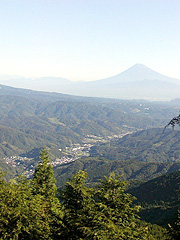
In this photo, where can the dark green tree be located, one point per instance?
(78, 205)
(30, 209)
(43, 185)
(117, 210)
(22, 215)
(43, 179)
(103, 213)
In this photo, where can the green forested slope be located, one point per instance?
(30, 120)
(151, 145)
(27, 124)
(32, 209)
(17, 141)
(10, 172)
(164, 188)
(159, 198)
(67, 122)
(99, 167)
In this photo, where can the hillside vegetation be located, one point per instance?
(151, 145)
(159, 198)
(99, 167)
(38, 119)
(31, 120)
(125, 138)
(77, 212)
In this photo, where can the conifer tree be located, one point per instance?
(103, 213)
(43, 180)
(22, 215)
(78, 204)
(30, 209)
(43, 185)
(118, 213)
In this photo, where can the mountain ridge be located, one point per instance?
(138, 69)
(137, 82)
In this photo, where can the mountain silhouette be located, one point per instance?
(137, 82)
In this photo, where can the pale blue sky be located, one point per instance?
(88, 39)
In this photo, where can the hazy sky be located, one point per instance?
(88, 39)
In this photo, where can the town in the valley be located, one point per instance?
(69, 154)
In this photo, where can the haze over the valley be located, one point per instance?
(90, 40)
(137, 82)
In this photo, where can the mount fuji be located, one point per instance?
(137, 82)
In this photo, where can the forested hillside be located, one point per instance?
(56, 120)
(30, 121)
(159, 198)
(143, 155)
(99, 167)
(99, 136)
(152, 145)
(77, 212)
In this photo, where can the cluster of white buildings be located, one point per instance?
(71, 154)
(63, 160)
(15, 160)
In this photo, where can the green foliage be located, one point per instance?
(99, 167)
(10, 171)
(151, 145)
(156, 232)
(34, 120)
(43, 180)
(117, 210)
(103, 213)
(43, 185)
(22, 215)
(78, 205)
(31, 119)
(30, 209)
(159, 199)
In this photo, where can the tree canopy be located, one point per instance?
(33, 209)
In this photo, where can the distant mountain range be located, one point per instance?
(137, 82)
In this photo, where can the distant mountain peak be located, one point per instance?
(139, 65)
(139, 72)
